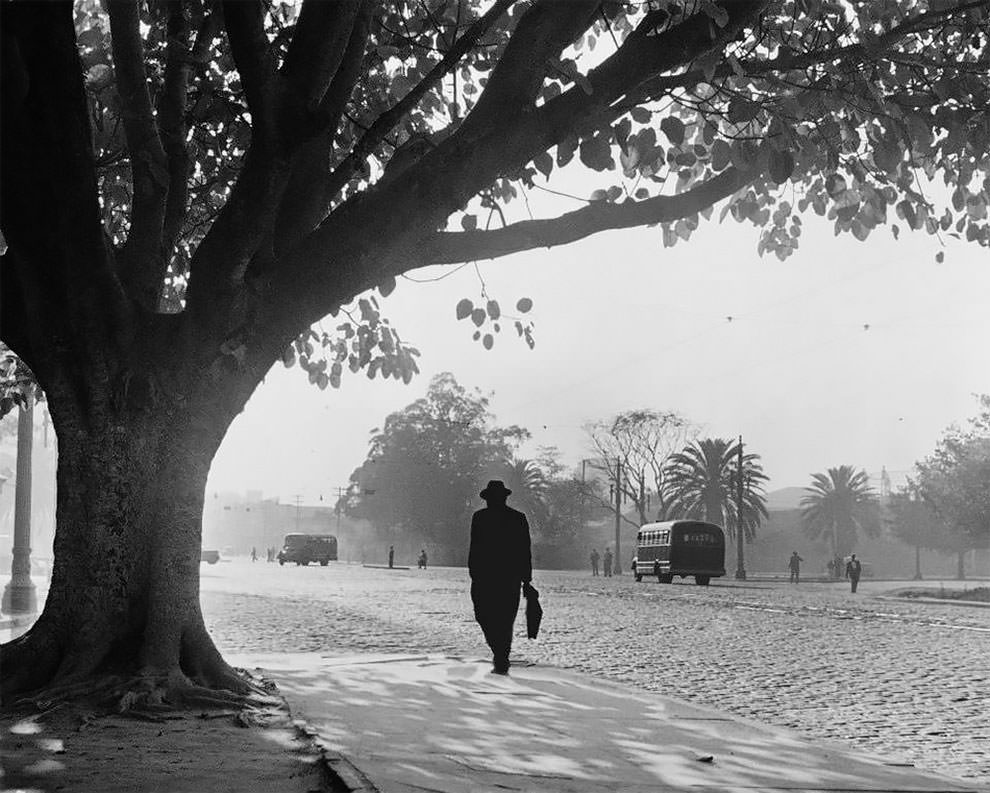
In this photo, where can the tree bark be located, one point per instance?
(123, 604)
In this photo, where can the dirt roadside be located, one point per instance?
(71, 748)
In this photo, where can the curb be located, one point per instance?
(936, 601)
(341, 774)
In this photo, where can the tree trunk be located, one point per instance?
(961, 566)
(124, 597)
(917, 562)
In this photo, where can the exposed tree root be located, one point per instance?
(159, 696)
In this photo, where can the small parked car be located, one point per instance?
(210, 557)
(305, 548)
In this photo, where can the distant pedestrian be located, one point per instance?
(499, 562)
(254, 554)
(422, 559)
(607, 563)
(391, 556)
(594, 561)
(853, 571)
(831, 568)
(795, 567)
(838, 568)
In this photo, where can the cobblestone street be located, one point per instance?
(905, 680)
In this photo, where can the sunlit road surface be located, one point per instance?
(908, 681)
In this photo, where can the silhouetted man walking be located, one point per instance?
(391, 556)
(853, 571)
(607, 563)
(500, 563)
(594, 561)
(795, 567)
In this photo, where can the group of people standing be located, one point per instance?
(606, 561)
(853, 569)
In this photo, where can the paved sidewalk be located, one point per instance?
(415, 723)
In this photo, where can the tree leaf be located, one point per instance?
(781, 166)
(524, 305)
(673, 128)
(469, 222)
(488, 341)
(493, 310)
(478, 316)
(464, 308)
(544, 164)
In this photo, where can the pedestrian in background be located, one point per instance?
(422, 559)
(853, 571)
(607, 563)
(391, 556)
(795, 567)
(838, 568)
(594, 561)
(254, 554)
(831, 568)
(500, 563)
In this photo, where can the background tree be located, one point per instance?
(189, 186)
(427, 464)
(702, 485)
(642, 441)
(838, 506)
(913, 521)
(955, 482)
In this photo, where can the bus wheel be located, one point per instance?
(638, 578)
(281, 562)
(701, 580)
(324, 563)
(667, 578)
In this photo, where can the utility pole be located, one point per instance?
(740, 562)
(19, 596)
(298, 499)
(616, 562)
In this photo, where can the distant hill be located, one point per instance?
(785, 498)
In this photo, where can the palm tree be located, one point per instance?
(528, 485)
(702, 481)
(839, 504)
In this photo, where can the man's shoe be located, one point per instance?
(500, 670)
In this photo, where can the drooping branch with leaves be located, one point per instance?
(190, 187)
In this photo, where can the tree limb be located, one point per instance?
(463, 246)
(306, 203)
(62, 307)
(541, 34)
(245, 24)
(317, 50)
(387, 121)
(140, 259)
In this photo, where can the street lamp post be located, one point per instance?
(740, 562)
(19, 595)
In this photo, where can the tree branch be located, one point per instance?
(543, 32)
(61, 302)
(318, 47)
(387, 121)
(140, 261)
(306, 202)
(245, 24)
(464, 246)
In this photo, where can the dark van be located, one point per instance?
(682, 548)
(305, 548)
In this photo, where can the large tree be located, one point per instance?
(640, 442)
(703, 483)
(427, 463)
(188, 186)
(838, 506)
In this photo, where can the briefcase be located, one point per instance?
(534, 611)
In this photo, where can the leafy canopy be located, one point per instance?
(271, 163)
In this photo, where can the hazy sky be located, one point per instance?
(623, 323)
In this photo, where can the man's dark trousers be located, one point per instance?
(496, 604)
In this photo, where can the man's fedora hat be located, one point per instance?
(496, 487)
